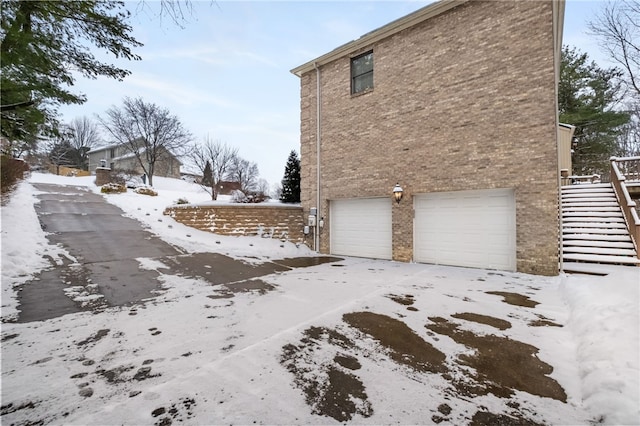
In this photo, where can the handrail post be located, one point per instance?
(626, 203)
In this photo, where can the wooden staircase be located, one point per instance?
(593, 229)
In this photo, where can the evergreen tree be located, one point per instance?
(587, 97)
(291, 181)
(207, 175)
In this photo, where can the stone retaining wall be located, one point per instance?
(275, 221)
(103, 176)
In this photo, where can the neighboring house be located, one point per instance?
(190, 176)
(457, 103)
(223, 188)
(118, 156)
(227, 187)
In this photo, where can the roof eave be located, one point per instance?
(388, 30)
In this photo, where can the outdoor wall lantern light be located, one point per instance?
(397, 193)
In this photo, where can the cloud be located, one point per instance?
(226, 57)
(174, 91)
(205, 54)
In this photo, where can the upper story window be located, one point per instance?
(112, 152)
(362, 73)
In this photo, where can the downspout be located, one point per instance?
(316, 241)
(558, 23)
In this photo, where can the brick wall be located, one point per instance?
(280, 221)
(465, 100)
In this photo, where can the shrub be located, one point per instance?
(257, 197)
(248, 197)
(238, 196)
(181, 200)
(127, 177)
(11, 170)
(113, 188)
(145, 190)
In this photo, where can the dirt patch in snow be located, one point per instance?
(498, 323)
(501, 365)
(515, 299)
(325, 373)
(406, 299)
(543, 322)
(325, 364)
(482, 418)
(404, 345)
(253, 286)
(257, 286)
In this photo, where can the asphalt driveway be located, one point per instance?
(104, 245)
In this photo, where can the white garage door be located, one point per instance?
(466, 228)
(361, 227)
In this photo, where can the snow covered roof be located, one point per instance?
(128, 154)
(103, 148)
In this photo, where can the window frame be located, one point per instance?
(354, 76)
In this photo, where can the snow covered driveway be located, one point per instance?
(356, 340)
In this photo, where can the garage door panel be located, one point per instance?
(466, 228)
(361, 227)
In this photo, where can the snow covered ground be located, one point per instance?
(307, 346)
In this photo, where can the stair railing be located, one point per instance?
(628, 206)
(629, 167)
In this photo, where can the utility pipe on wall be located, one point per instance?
(316, 240)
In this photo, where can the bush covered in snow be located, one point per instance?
(113, 188)
(145, 190)
(249, 197)
(181, 200)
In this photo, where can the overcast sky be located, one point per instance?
(226, 74)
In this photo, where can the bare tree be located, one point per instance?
(618, 28)
(83, 136)
(245, 173)
(178, 11)
(59, 149)
(149, 132)
(262, 186)
(276, 191)
(219, 156)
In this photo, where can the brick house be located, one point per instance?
(119, 156)
(457, 104)
(228, 187)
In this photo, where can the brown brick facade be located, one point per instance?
(243, 220)
(464, 100)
